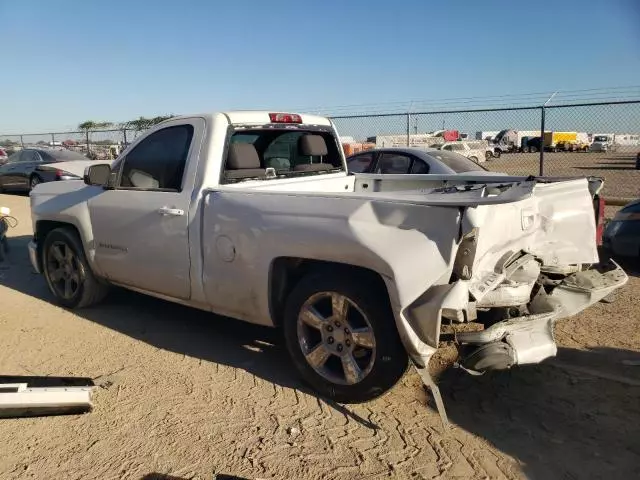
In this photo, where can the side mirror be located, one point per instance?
(97, 174)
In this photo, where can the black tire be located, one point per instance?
(496, 153)
(34, 181)
(4, 248)
(390, 360)
(488, 155)
(89, 289)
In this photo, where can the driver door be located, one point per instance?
(141, 226)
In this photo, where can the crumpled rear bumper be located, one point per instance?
(529, 339)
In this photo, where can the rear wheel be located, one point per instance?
(34, 181)
(342, 337)
(67, 271)
(488, 155)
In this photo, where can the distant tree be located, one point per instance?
(90, 125)
(7, 143)
(142, 123)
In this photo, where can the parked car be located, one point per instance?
(416, 160)
(253, 215)
(476, 151)
(492, 151)
(27, 168)
(622, 234)
(3, 156)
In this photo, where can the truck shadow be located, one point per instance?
(575, 416)
(169, 326)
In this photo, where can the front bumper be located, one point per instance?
(33, 256)
(529, 339)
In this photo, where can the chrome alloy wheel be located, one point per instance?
(336, 338)
(63, 270)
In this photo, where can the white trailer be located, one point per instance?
(415, 140)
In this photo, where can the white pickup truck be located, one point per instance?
(253, 215)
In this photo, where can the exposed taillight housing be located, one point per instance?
(285, 118)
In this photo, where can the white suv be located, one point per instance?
(475, 150)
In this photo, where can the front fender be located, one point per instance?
(66, 202)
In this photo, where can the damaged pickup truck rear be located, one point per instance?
(253, 215)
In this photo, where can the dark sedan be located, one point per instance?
(416, 160)
(28, 167)
(622, 234)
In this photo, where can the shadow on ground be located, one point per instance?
(169, 326)
(575, 416)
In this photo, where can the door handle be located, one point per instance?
(175, 212)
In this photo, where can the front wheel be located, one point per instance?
(342, 337)
(67, 271)
(488, 155)
(496, 153)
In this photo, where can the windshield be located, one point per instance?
(289, 152)
(601, 138)
(458, 163)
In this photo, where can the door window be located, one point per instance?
(360, 163)
(14, 158)
(393, 163)
(158, 161)
(419, 167)
(29, 156)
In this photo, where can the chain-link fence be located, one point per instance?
(96, 144)
(595, 139)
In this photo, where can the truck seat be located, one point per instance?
(310, 145)
(243, 162)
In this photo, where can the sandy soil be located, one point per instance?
(184, 394)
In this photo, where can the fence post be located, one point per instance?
(21, 141)
(542, 109)
(88, 147)
(53, 140)
(408, 129)
(124, 137)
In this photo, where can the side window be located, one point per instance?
(393, 163)
(360, 163)
(29, 156)
(158, 161)
(14, 158)
(419, 167)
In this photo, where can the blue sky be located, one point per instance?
(66, 61)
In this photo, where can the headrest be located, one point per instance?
(312, 145)
(242, 156)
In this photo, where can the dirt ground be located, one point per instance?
(184, 394)
(622, 180)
